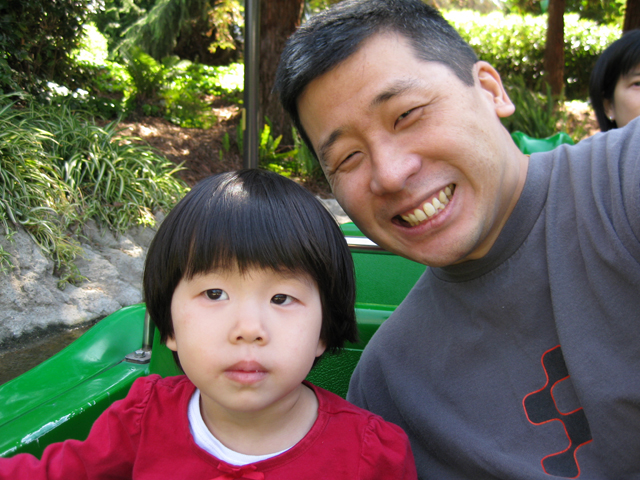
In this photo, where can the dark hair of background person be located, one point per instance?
(253, 219)
(616, 61)
(333, 35)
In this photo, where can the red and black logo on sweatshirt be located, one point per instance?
(542, 407)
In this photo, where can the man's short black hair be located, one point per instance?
(335, 34)
(615, 62)
(253, 219)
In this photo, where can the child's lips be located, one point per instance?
(246, 372)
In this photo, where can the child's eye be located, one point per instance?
(281, 299)
(216, 294)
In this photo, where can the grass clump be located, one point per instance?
(58, 169)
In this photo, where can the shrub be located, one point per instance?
(37, 36)
(59, 169)
(515, 44)
(536, 115)
(189, 85)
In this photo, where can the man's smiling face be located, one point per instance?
(418, 160)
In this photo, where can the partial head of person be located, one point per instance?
(248, 259)
(614, 87)
(405, 122)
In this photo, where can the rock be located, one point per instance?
(336, 210)
(29, 293)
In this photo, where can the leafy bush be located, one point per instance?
(189, 85)
(177, 89)
(115, 16)
(147, 75)
(60, 169)
(309, 167)
(32, 194)
(611, 11)
(515, 44)
(298, 162)
(37, 36)
(536, 115)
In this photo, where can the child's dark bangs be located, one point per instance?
(249, 225)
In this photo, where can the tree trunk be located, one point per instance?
(278, 20)
(554, 49)
(631, 16)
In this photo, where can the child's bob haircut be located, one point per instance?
(252, 219)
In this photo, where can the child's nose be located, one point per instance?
(249, 327)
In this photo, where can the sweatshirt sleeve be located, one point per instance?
(386, 452)
(108, 452)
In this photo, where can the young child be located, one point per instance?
(249, 280)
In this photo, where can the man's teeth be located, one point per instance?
(431, 208)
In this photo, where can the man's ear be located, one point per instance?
(490, 81)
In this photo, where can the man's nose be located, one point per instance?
(391, 168)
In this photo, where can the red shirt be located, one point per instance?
(147, 436)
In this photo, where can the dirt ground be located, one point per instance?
(199, 149)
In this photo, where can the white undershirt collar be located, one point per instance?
(205, 439)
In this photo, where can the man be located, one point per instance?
(517, 354)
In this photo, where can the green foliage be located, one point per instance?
(102, 90)
(299, 162)
(515, 44)
(36, 38)
(178, 89)
(536, 115)
(224, 15)
(190, 84)
(6, 265)
(116, 16)
(31, 192)
(308, 166)
(600, 11)
(59, 169)
(311, 7)
(146, 74)
(200, 26)
(156, 32)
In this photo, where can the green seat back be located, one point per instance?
(529, 145)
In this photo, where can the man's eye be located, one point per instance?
(216, 294)
(281, 299)
(404, 115)
(412, 114)
(348, 157)
(347, 163)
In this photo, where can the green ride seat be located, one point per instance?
(529, 145)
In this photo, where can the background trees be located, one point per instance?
(35, 38)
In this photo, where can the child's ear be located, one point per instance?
(171, 343)
(321, 348)
(609, 111)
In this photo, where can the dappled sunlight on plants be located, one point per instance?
(514, 45)
(60, 169)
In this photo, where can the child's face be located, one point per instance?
(246, 341)
(626, 98)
